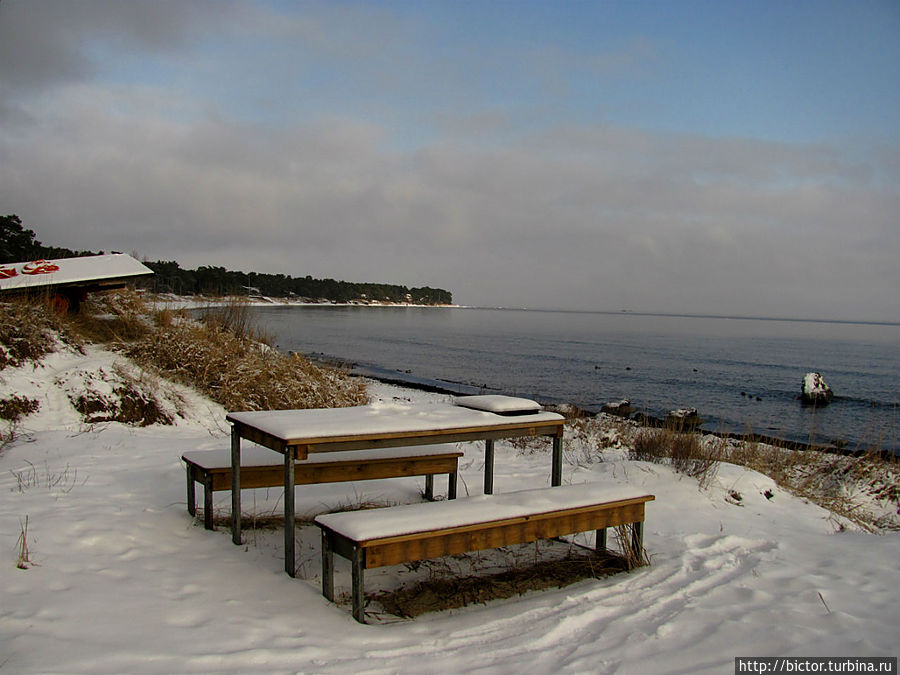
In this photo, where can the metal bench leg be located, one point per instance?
(429, 487)
(600, 541)
(327, 567)
(451, 485)
(358, 563)
(208, 502)
(489, 467)
(191, 497)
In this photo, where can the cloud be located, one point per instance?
(590, 218)
(48, 42)
(499, 203)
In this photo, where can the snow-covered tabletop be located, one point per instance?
(380, 425)
(380, 420)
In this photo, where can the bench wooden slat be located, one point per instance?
(469, 533)
(336, 472)
(503, 522)
(408, 462)
(220, 459)
(479, 537)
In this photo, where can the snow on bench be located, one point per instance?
(401, 534)
(260, 467)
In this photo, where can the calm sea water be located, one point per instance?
(741, 374)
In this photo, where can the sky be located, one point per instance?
(736, 158)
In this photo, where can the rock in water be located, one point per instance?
(621, 408)
(815, 391)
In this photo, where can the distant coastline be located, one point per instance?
(202, 300)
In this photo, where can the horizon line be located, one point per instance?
(742, 317)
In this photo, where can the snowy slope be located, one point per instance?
(121, 579)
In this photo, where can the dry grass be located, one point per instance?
(684, 451)
(633, 555)
(23, 559)
(61, 482)
(238, 371)
(29, 330)
(113, 318)
(222, 356)
(235, 317)
(850, 486)
(135, 401)
(14, 408)
(840, 483)
(446, 589)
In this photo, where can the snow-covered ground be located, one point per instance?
(120, 579)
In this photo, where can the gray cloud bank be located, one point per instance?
(584, 216)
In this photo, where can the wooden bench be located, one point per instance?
(400, 534)
(261, 467)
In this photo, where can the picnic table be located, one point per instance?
(298, 433)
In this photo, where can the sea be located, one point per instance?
(743, 375)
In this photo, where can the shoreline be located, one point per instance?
(411, 380)
(642, 419)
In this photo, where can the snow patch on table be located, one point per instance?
(377, 418)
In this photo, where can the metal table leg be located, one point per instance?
(489, 467)
(289, 531)
(556, 473)
(235, 486)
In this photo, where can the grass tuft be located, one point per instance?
(23, 559)
(14, 408)
(235, 317)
